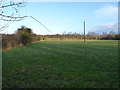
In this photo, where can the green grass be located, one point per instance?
(48, 64)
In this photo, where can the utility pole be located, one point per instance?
(84, 30)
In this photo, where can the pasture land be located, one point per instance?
(47, 64)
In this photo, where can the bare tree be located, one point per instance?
(13, 15)
(9, 12)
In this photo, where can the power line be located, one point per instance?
(40, 23)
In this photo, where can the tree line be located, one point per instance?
(90, 35)
(24, 36)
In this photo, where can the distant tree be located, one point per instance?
(64, 33)
(104, 33)
(117, 36)
(112, 33)
(69, 33)
(89, 35)
(92, 35)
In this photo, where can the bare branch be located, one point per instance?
(5, 26)
(20, 18)
(13, 4)
(13, 18)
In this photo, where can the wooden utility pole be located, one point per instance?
(84, 30)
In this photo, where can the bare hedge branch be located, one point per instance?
(12, 18)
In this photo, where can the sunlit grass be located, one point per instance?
(62, 64)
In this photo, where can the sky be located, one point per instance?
(60, 17)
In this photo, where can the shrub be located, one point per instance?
(25, 35)
(10, 41)
(25, 38)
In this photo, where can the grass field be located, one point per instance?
(47, 64)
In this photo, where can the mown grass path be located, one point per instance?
(62, 64)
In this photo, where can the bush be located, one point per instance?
(25, 35)
(25, 38)
(117, 37)
(10, 41)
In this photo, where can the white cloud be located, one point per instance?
(105, 28)
(107, 11)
